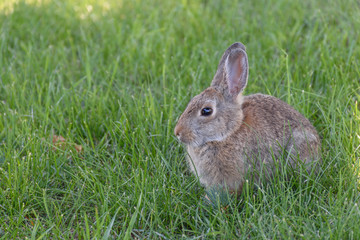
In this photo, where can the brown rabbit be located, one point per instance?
(230, 137)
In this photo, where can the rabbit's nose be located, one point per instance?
(177, 131)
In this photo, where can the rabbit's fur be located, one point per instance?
(244, 134)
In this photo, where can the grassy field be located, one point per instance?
(111, 77)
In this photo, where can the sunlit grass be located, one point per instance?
(113, 76)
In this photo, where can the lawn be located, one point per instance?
(90, 92)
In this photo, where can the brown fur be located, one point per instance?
(244, 134)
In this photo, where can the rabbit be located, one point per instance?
(230, 137)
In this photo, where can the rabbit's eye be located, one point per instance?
(206, 111)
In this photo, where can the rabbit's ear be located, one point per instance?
(232, 74)
(236, 70)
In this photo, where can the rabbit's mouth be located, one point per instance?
(189, 140)
(184, 139)
(183, 134)
(197, 143)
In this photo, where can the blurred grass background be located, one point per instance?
(113, 76)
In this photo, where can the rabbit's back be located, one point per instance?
(272, 117)
(275, 129)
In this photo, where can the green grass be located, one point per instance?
(113, 77)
